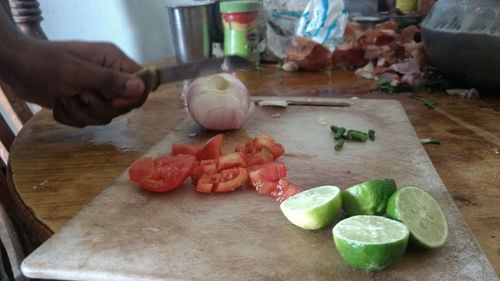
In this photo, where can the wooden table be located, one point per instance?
(56, 170)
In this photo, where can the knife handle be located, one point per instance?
(149, 76)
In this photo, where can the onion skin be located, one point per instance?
(219, 102)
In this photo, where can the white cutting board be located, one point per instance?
(130, 234)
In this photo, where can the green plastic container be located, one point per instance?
(240, 29)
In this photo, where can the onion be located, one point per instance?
(219, 102)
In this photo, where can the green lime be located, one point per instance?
(370, 242)
(368, 198)
(422, 215)
(314, 208)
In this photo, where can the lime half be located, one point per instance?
(422, 215)
(314, 208)
(370, 242)
(368, 198)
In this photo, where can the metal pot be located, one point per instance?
(462, 39)
(194, 26)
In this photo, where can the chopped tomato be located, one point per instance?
(223, 181)
(268, 142)
(212, 149)
(258, 158)
(240, 148)
(290, 190)
(267, 172)
(270, 179)
(261, 142)
(280, 188)
(141, 168)
(211, 171)
(231, 160)
(206, 183)
(232, 179)
(204, 167)
(162, 174)
(190, 149)
(266, 188)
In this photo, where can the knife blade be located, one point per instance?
(153, 77)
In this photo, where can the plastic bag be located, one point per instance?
(324, 22)
(279, 19)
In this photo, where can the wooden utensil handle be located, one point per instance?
(150, 77)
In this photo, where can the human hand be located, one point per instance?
(84, 83)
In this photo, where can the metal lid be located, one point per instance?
(239, 6)
(185, 3)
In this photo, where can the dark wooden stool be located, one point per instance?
(28, 15)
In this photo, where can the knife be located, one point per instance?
(153, 76)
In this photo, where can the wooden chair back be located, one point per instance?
(28, 15)
(11, 250)
(14, 113)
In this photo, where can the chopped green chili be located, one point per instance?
(339, 144)
(371, 134)
(357, 135)
(340, 132)
(429, 103)
(334, 128)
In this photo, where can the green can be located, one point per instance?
(240, 29)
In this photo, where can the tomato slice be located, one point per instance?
(212, 148)
(231, 160)
(269, 143)
(190, 149)
(290, 191)
(203, 167)
(141, 168)
(206, 182)
(266, 188)
(231, 179)
(259, 158)
(162, 174)
(265, 173)
(224, 181)
(280, 188)
(260, 143)
(270, 179)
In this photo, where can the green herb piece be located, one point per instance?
(357, 135)
(334, 128)
(430, 141)
(385, 85)
(339, 144)
(371, 134)
(340, 132)
(433, 80)
(429, 103)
